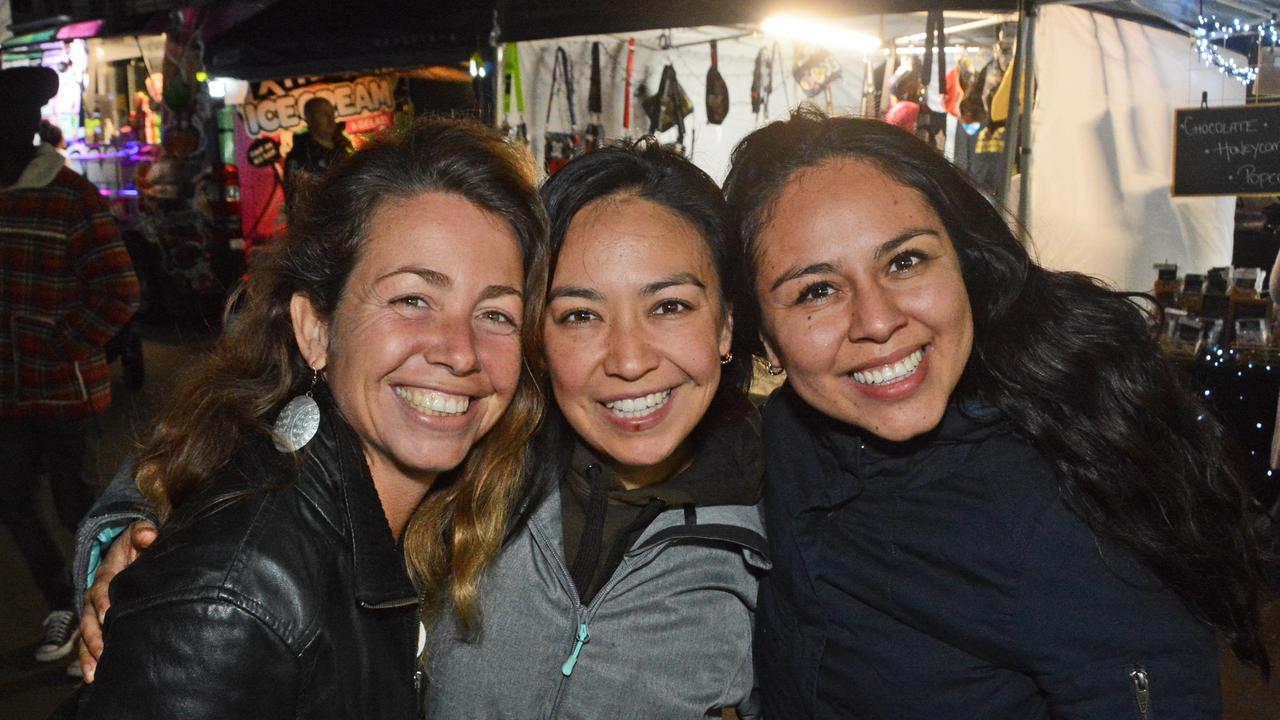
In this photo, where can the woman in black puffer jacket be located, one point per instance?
(987, 494)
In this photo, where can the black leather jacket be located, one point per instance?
(269, 595)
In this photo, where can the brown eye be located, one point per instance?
(815, 292)
(671, 307)
(576, 317)
(906, 262)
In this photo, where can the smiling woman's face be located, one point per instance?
(862, 299)
(634, 332)
(423, 350)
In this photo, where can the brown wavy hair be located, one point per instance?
(231, 397)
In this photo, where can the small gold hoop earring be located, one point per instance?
(772, 370)
(726, 359)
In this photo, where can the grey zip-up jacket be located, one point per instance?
(668, 636)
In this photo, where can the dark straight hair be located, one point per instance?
(1073, 365)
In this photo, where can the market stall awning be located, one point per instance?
(298, 37)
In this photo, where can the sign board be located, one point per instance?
(1227, 151)
(275, 105)
(263, 152)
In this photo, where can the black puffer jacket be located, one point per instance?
(267, 602)
(945, 578)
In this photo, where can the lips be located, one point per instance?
(433, 402)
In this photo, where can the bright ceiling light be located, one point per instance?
(820, 32)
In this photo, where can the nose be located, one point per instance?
(630, 353)
(877, 315)
(453, 345)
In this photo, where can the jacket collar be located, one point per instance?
(41, 170)
(845, 456)
(726, 467)
(379, 568)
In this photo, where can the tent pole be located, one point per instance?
(1024, 144)
(1015, 107)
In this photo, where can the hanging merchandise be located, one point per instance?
(626, 102)
(759, 96)
(717, 90)
(870, 90)
(999, 108)
(931, 125)
(668, 107)
(513, 85)
(593, 135)
(815, 69)
(762, 81)
(561, 147)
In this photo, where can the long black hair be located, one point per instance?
(646, 170)
(1073, 365)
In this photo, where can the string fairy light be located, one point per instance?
(1209, 30)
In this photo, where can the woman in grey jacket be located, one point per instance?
(628, 588)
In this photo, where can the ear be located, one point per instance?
(726, 333)
(769, 352)
(310, 331)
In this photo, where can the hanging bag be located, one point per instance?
(561, 147)
(717, 90)
(593, 135)
(669, 106)
(512, 84)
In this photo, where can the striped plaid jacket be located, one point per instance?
(66, 287)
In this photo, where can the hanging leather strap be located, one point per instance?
(594, 104)
(562, 64)
(626, 103)
(511, 63)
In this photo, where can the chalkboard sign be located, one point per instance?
(1227, 151)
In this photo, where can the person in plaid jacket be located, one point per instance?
(66, 287)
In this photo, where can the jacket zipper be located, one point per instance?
(583, 636)
(1141, 691)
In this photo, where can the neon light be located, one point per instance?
(80, 30)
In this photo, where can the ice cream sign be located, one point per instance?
(365, 103)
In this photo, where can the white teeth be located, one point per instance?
(891, 373)
(639, 406)
(430, 402)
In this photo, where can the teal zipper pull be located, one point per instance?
(583, 637)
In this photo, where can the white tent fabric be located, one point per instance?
(1102, 135)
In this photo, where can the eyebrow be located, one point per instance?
(496, 291)
(574, 291)
(684, 278)
(440, 280)
(652, 288)
(431, 277)
(822, 268)
(902, 239)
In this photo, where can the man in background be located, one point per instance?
(322, 146)
(66, 287)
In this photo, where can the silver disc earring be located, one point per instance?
(298, 421)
